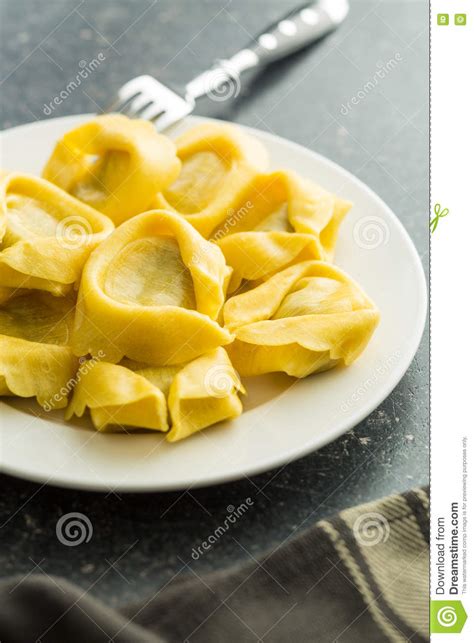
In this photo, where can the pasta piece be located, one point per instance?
(200, 394)
(307, 318)
(116, 396)
(218, 163)
(115, 164)
(152, 292)
(35, 360)
(280, 221)
(47, 234)
(203, 393)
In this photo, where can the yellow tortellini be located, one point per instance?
(156, 337)
(152, 292)
(35, 359)
(307, 318)
(46, 235)
(281, 220)
(116, 396)
(202, 393)
(115, 164)
(199, 394)
(218, 163)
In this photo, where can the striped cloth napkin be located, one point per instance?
(361, 576)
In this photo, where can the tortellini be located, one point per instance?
(116, 396)
(281, 220)
(115, 164)
(218, 164)
(156, 337)
(35, 360)
(46, 234)
(200, 393)
(307, 318)
(152, 292)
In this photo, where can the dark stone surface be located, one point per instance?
(141, 541)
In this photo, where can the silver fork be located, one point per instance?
(145, 97)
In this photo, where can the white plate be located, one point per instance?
(284, 421)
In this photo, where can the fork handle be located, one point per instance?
(291, 33)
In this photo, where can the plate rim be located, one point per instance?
(338, 428)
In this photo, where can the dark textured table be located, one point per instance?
(140, 541)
